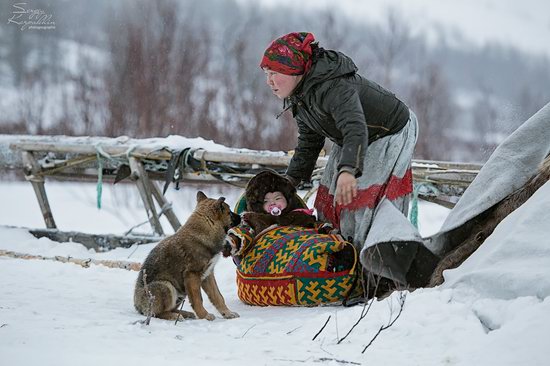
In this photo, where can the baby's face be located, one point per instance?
(274, 199)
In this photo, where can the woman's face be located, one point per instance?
(274, 199)
(282, 85)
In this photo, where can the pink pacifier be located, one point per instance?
(274, 210)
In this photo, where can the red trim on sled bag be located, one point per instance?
(367, 197)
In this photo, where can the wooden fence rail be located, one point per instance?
(149, 160)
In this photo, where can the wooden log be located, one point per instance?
(233, 167)
(87, 146)
(268, 158)
(71, 163)
(98, 242)
(440, 200)
(84, 149)
(445, 165)
(247, 158)
(143, 184)
(242, 157)
(31, 174)
(166, 206)
(462, 178)
(130, 266)
(90, 175)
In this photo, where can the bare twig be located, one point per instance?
(248, 330)
(3, 325)
(324, 350)
(323, 327)
(320, 359)
(367, 292)
(364, 313)
(366, 307)
(129, 231)
(179, 314)
(150, 297)
(135, 249)
(292, 331)
(336, 325)
(291, 360)
(324, 359)
(402, 297)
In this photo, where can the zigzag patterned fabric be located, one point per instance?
(292, 265)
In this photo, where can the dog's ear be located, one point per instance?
(220, 202)
(201, 196)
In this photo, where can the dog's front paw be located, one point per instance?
(209, 317)
(230, 315)
(186, 314)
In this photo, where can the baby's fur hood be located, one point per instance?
(270, 181)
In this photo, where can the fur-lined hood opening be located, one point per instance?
(270, 181)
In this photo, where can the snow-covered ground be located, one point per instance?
(493, 310)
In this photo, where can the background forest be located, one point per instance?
(157, 68)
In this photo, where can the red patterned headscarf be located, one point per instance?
(289, 54)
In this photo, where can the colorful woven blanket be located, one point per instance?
(292, 265)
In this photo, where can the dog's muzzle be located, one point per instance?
(235, 219)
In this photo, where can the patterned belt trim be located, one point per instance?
(366, 197)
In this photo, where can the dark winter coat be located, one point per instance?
(333, 101)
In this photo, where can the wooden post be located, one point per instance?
(144, 184)
(31, 168)
(170, 215)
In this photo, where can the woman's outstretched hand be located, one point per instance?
(346, 188)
